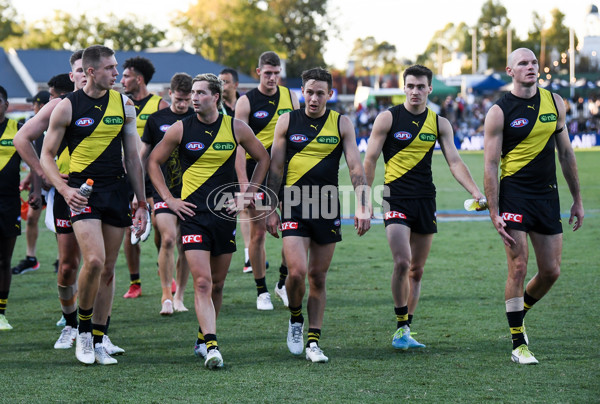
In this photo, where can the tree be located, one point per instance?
(373, 58)
(492, 29)
(236, 32)
(65, 31)
(8, 21)
(303, 32)
(229, 32)
(452, 38)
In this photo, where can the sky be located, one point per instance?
(408, 24)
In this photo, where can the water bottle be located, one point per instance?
(472, 204)
(85, 190)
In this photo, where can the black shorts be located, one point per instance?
(62, 215)
(10, 216)
(111, 207)
(537, 215)
(161, 206)
(206, 231)
(418, 214)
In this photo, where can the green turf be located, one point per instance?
(460, 317)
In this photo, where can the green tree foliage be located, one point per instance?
(236, 32)
(8, 21)
(452, 38)
(65, 31)
(492, 29)
(231, 32)
(374, 58)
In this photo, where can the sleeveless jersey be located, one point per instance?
(63, 159)
(143, 109)
(265, 111)
(207, 155)
(158, 123)
(528, 168)
(407, 152)
(10, 161)
(94, 138)
(313, 149)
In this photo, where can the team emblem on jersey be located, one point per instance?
(519, 123)
(194, 146)
(164, 128)
(298, 138)
(261, 114)
(84, 122)
(402, 135)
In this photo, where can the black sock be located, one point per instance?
(85, 320)
(71, 319)
(3, 301)
(134, 279)
(211, 342)
(401, 316)
(515, 322)
(410, 317)
(200, 339)
(98, 333)
(283, 273)
(528, 302)
(313, 336)
(107, 323)
(261, 285)
(296, 314)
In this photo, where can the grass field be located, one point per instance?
(460, 318)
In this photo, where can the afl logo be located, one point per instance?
(298, 138)
(194, 146)
(519, 123)
(164, 128)
(83, 122)
(261, 114)
(402, 135)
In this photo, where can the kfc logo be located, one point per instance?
(63, 223)
(394, 215)
(160, 205)
(512, 217)
(192, 238)
(259, 196)
(289, 226)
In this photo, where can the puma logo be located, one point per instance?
(209, 132)
(315, 127)
(137, 107)
(416, 123)
(99, 107)
(272, 102)
(531, 106)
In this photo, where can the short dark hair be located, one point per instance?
(234, 74)
(78, 54)
(92, 55)
(142, 66)
(61, 83)
(418, 71)
(269, 58)
(181, 82)
(215, 85)
(3, 93)
(318, 74)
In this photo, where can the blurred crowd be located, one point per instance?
(467, 115)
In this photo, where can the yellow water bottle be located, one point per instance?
(473, 204)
